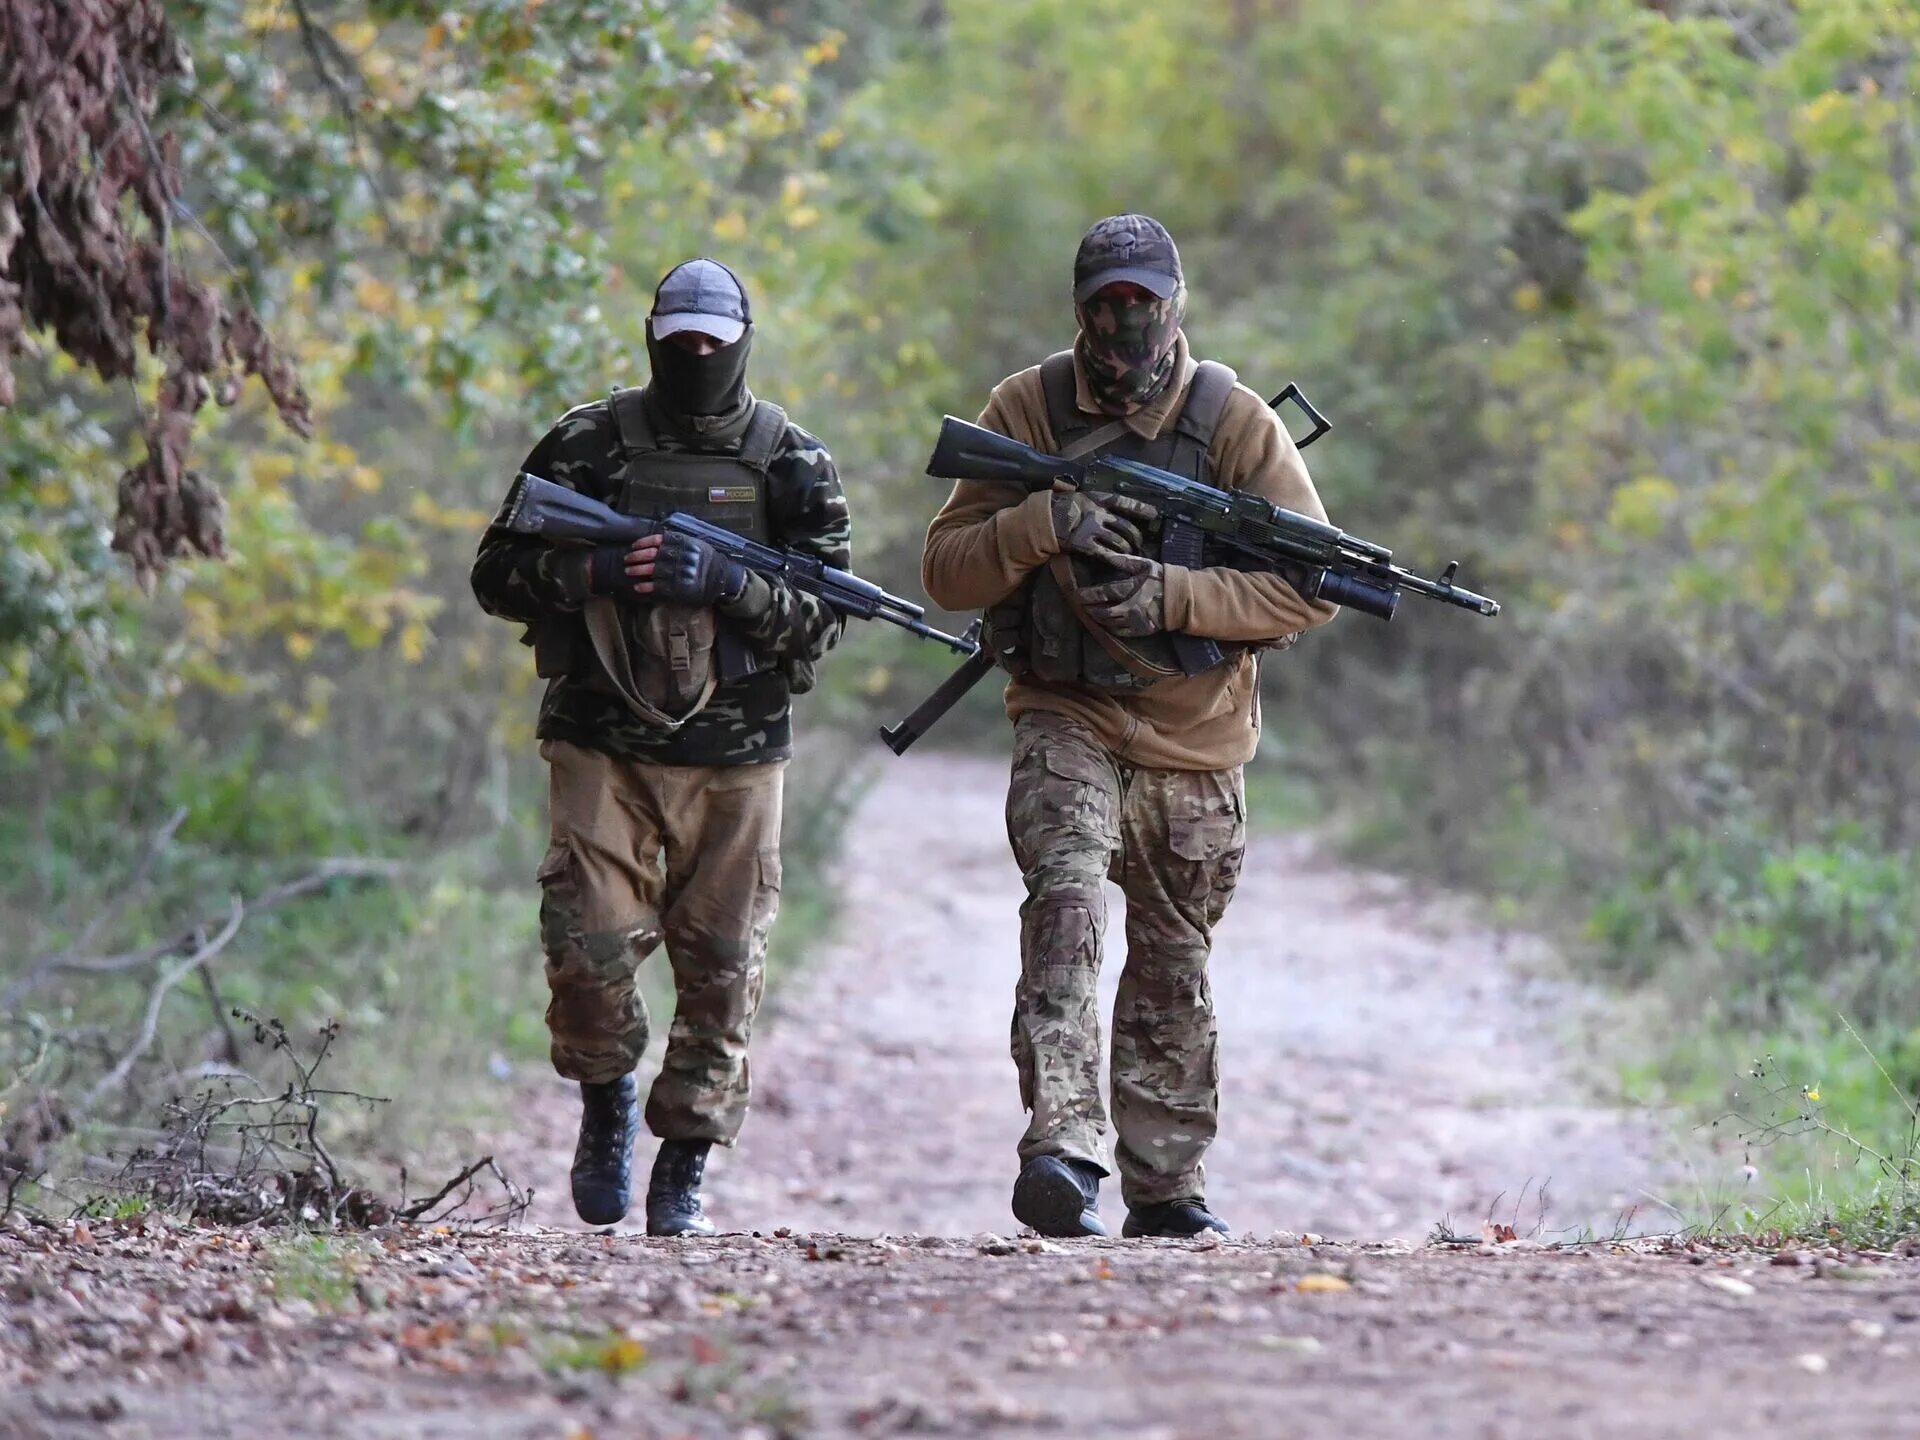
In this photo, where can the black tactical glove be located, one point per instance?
(1099, 527)
(1135, 604)
(687, 571)
(607, 572)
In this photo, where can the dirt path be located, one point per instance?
(1387, 1063)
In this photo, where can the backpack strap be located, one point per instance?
(1063, 406)
(1207, 400)
(630, 420)
(765, 431)
(1207, 396)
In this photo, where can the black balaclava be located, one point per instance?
(706, 391)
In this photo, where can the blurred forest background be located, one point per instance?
(1613, 301)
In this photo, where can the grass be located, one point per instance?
(1828, 1134)
(319, 1269)
(1281, 797)
(612, 1353)
(435, 977)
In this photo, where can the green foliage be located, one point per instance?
(1615, 303)
(60, 623)
(414, 201)
(612, 1353)
(319, 1269)
(1829, 1129)
(1770, 931)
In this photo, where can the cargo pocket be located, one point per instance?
(1078, 788)
(556, 863)
(766, 890)
(1211, 846)
(1070, 764)
(1202, 838)
(562, 930)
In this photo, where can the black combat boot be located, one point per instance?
(673, 1195)
(603, 1161)
(1058, 1197)
(1172, 1219)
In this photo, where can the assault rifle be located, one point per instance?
(1199, 525)
(540, 507)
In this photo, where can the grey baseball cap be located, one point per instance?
(701, 295)
(1134, 248)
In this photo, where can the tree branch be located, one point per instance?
(104, 918)
(156, 998)
(342, 867)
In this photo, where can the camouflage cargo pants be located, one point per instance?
(644, 853)
(1172, 840)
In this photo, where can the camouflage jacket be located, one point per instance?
(524, 578)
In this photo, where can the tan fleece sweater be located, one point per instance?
(988, 536)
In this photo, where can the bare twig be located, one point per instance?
(110, 913)
(163, 303)
(156, 998)
(222, 1019)
(319, 45)
(258, 1158)
(346, 867)
(419, 1208)
(103, 918)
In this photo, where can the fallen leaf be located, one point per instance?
(1294, 1344)
(1851, 1272)
(1498, 1234)
(623, 1353)
(1320, 1284)
(426, 1337)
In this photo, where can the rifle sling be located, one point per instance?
(1063, 576)
(603, 625)
(1095, 440)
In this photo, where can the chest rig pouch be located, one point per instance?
(1038, 630)
(666, 660)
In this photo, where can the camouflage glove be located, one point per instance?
(1099, 528)
(687, 571)
(1135, 604)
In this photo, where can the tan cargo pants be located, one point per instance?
(1172, 840)
(642, 853)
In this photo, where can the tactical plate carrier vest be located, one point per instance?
(1037, 631)
(666, 660)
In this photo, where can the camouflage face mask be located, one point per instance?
(1127, 347)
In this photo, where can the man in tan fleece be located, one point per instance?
(1120, 769)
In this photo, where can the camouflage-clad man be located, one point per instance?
(1123, 766)
(666, 729)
